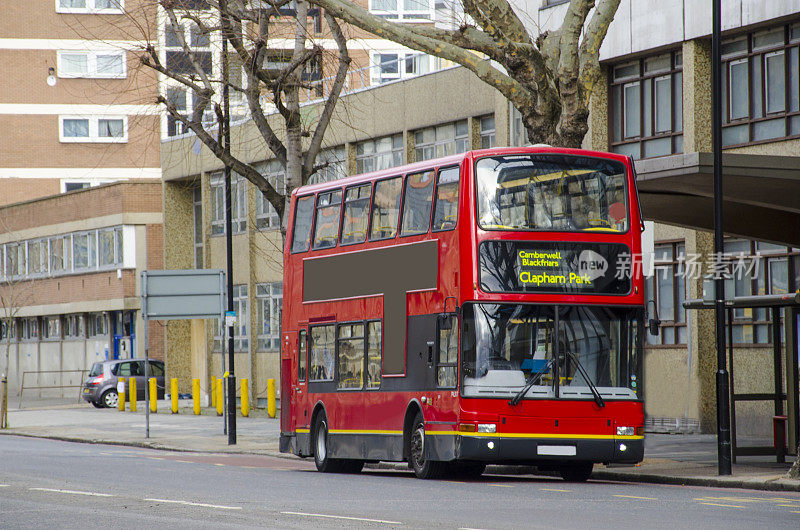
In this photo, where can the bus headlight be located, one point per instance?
(487, 427)
(626, 431)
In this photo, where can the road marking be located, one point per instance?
(635, 497)
(502, 485)
(72, 492)
(220, 465)
(4, 486)
(723, 505)
(201, 504)
(185, 461)
(794, 512)
(551, 489)
(341, 517)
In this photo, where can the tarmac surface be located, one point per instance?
(688, 459)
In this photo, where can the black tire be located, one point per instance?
(323, 461)
(467, 470)
(97, 405)
(576, 472)
(424, 469)
(110, 399)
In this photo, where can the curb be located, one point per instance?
(775, 484)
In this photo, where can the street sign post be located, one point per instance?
(179, 295)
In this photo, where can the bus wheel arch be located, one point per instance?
(412, 410)
(319, 408)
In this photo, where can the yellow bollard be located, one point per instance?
(220, 401)
(271, 409)
(245, 398)
(153, 395)
(173, 393)
(213, 392)
(196, 396)
(121, 394)
(133, 397)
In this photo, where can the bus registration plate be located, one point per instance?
(556, 450)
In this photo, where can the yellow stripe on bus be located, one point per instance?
(489, 434)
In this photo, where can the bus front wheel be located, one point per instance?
(322, 458)
(577, 473)
(425, 469)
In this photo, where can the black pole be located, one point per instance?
(226, 134)
(723, 396)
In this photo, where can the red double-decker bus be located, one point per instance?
(478, 308)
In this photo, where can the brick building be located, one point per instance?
(69, 280)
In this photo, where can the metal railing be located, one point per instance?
(23, 387)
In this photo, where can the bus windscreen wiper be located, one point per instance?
(597, 397)
(532, 380)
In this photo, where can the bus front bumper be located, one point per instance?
(539, 450)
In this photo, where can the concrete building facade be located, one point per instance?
(655, 106)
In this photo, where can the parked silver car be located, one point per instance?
(100, 387)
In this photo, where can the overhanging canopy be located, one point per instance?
(761, 194)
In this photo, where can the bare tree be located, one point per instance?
(248, 25)
(548, 77)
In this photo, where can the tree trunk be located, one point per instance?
(794, 471)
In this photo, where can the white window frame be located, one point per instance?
(437, 142)
(44, 252)
(269, 296)
(376, 73)
(400, 13)
(91, 64)
(266, 216)
(94, 127)
(238, 203)
(375, 154)
(91, 9)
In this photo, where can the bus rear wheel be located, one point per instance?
(577, 472)
(322, 459)
(425, 469)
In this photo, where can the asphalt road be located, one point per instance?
(47, 483)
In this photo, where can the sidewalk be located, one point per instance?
(669, 459)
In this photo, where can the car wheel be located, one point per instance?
(577, 472)
(98, 405)
(425, 469)
(110, 399)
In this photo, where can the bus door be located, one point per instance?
(421, 353)
(300, 388)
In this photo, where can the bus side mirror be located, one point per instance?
(653, 325)
(445, 321)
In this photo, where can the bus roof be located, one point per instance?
(448, 160)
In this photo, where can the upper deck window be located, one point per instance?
(301, 235)
(551, 192)
(386, 208)
(356, 207)
(326, 230)
(445, 214)
(417, 206)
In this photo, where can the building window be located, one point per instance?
(398, 65)
(92, 64)
(84, 250)
(37, 258)
(29, 329)
(757, 268)
(241, 341)
(269, 301)
(110, 247)
(73, 327)
(761, 86)
(60, 254)
(8, 330)
(51, 328)
(197, 210)
(667, 288)
(16, 266)
(487, 132)
(266, 216)
(405, 10)
(96, 325)
(442, 140)
(647, 106)
(177, 59)
(335, 168)
(383, 153)
(100, 7)
(518, 133)
(238, 203)
(99, 129)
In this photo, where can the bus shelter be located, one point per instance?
(785, 420)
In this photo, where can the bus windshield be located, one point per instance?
(504, 345)
(551, 192)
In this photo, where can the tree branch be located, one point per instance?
(593, 38)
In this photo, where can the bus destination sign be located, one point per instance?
(552, 267)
